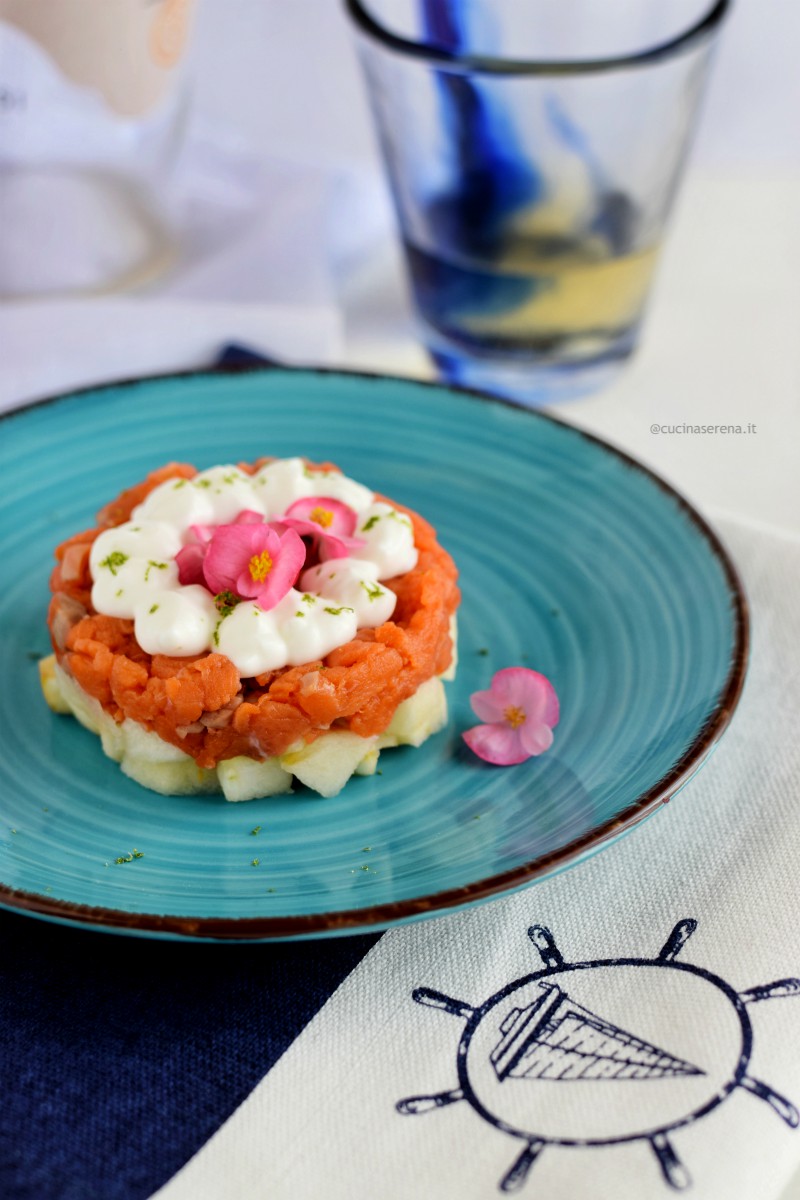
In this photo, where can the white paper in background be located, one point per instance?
(659, 1041)
(52, 347)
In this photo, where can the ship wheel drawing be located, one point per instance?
(597, 1053)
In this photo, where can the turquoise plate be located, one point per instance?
(574, 560)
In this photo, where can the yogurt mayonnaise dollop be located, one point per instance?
(135, 575)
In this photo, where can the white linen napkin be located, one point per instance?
(650, 1047)
(48, 347)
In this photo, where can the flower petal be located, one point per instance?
(190, 564)
(327, 545)
(287, 564)
(486, 706)
(498, 744)
(332, 546)
(535, 737)
(249, 516)
(519, 687)
(343, 518)
(202, 533)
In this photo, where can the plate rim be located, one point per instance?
(370, 919)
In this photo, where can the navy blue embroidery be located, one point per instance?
(539, 1030)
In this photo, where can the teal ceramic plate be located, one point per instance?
(574, 560)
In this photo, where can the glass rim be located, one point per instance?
(469, 64)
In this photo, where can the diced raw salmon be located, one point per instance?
(201, 704)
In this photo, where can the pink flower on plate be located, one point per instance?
(520, 710)
(329, 522)
(191, 558)
(253, 561)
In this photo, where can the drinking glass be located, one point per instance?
(533, 150)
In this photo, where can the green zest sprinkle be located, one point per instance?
(401, 517)
(370, 523)
(118, 592)
(126, 858)
(232, 477)
(225, 603)
(366, 849)
(255, 832)
(153, 608)
(178, 484)
(203, 483)
(256, 862)
(151, 564)
(215, 634)
(335, 612)
(308, 598)
(373, 591)
(299, 613)
(115, 559)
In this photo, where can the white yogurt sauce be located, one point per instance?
(135, 575)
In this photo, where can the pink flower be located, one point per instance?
(329, 522)
(253, 561)
(521, 709)
(191, 558)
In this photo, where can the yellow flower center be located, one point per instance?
(321, 516)
(260, 566)
(515, 716)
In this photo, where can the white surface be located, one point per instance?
(52, 347)
(323, 1121)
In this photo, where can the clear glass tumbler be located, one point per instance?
(533, 151)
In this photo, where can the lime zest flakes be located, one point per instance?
(151, 565)
(256, 831)
(126, 858)
(114, 560)
(394, 515)
(153, 608)
(373, 590)
(255, 862)
(225, 603)
(307, 598)
(299, 613)
(118, 592)
(231, 477)
(202, 483)
(366, 849)
(335, 612)
(179, 483)
(370, 523)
